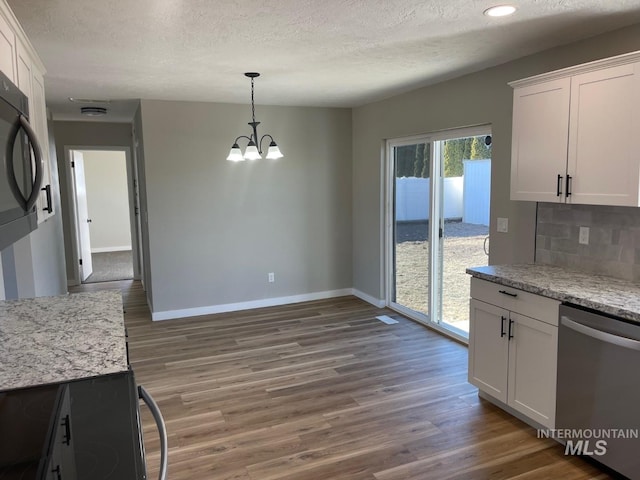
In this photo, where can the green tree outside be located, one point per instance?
(459, 149)
(410, 160)
(414, 160)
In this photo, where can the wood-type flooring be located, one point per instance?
(323, 391)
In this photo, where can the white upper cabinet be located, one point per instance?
(573, 133)
(7, 50)
(20, 62)
(24, 70)
(603, 160)
(539, 140)
(38, 120)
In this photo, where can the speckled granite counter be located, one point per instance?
(54, 339)
(606, 294)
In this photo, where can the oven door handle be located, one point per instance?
(600, 335)
(26, 203)
(157, 416)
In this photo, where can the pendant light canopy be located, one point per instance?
(254, 147)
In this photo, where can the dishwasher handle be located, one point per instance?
(157, 415)
(600, 335)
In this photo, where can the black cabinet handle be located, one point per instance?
(66, 423)
(568, 189)
(49, 207)
(510, 329)
(504, 292)
(57, 472)
(502, 319)
(559, 186)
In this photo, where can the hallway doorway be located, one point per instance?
(104, 221)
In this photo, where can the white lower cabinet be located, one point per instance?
(513, 356)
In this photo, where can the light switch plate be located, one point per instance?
(503, 225)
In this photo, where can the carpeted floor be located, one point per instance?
(108, 266)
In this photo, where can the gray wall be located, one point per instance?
(82, 134)
(216, 228)
(480, 98)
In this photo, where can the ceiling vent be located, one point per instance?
(93, 111)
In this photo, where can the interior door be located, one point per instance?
(82, 212)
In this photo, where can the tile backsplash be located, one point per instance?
(614, 239)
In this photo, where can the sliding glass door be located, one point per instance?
(437, 223)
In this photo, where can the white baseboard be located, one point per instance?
(376, 302)
(233, 307)
(111, 249)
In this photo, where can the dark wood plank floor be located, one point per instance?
(322, 390)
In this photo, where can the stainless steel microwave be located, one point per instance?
(21, 171)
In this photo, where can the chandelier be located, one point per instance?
(254, 147)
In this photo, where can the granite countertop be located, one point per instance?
(54, 339)
(606, 294)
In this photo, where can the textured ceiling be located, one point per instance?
(310, 52)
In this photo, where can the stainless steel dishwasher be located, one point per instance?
(598, 391)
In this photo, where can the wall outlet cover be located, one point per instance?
(583, 237)
(503, 225)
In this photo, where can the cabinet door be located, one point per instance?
(539, 141)
(488, 349)
(38, 118)
(7, 50)
(605, 120)
(533, 353)
(23, 80)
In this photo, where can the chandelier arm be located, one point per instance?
(262, 138)
(242, 136)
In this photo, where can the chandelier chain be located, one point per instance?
(253, 106)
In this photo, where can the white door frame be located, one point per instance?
(73, 222)
(435, 171)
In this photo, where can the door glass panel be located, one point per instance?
(411, 226)
(464, 206)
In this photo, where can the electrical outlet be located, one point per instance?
(583, 237)
(272, 277)
(503, 225)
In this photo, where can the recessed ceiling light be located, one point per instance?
(500, 11)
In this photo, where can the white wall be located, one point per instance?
(216, 228)
(107, 200)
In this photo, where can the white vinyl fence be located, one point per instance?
(465, 197)
(476, 191)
